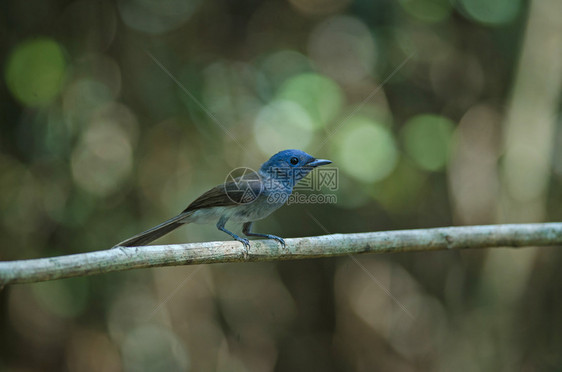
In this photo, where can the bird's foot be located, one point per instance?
(246, 244)
(274, 237)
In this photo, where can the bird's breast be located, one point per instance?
(256, 210)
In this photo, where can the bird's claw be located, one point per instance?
(246, 244)
(280, 240)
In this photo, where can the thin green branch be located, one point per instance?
(466, 237)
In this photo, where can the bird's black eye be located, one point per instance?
(294, 161)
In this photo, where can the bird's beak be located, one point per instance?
(318, 162)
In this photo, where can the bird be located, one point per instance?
(243, 199)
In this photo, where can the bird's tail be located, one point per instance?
(154, 233)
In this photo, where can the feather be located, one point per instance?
(154, 233)
(242, 190)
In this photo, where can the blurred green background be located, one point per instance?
(116, 114)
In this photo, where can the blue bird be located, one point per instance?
(245, 199)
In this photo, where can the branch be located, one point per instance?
(446, 238)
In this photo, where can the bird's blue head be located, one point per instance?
(291, 166)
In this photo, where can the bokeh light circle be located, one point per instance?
(103, 159)
(35, 71)
(343, 48)
(495, 12)
(81, 98)
(282, 125)
(284, 64)
(156, 17)
(319, 95)
(427, 140)
(365, 149)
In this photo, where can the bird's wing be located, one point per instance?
(239, 191)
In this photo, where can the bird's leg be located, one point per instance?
(248, 226)
(246, 242)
